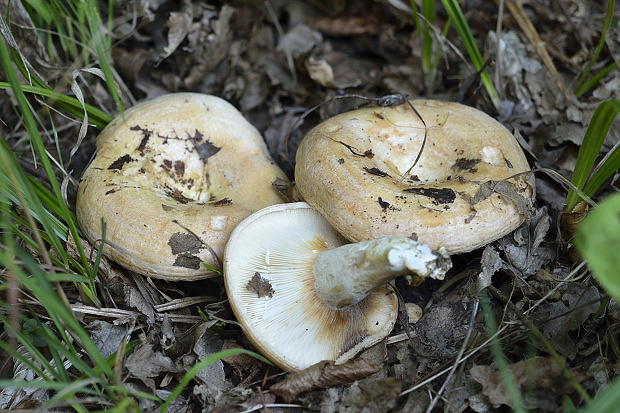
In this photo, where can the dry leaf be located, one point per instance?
(106, 336)
(12, 397)
(350, 25)
(322, 375)
(287, 190)
(299, 40)
(541, 373)
(260, 285)
(245, 366)
(526, 252)
(578, 303)
(212, 388)
(377, 396)
(490, 263)
(144, 364)
(442, 328)
(320, 71)
(179, 24)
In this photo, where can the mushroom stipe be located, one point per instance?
(303, 294)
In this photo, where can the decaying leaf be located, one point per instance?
(490, 263)
(322, 375)
(212, 388)
(12, 397)
(347, 24)
(260, 285)
(287, 190)
(299, 40)
(245, 366)
(376, 396)
(255, 403)
(526, 253)
(144, 363)
(541, 228)
(320, 71)
(179, 24)
(538, 373)
(559, 318)
(442, 328)
(508, 191)
(107, 336)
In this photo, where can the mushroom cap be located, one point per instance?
(172, 176)
(269, 278)
(460, 195)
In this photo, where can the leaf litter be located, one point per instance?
(275, 61)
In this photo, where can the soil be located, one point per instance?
(287, 65)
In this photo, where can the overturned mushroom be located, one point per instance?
(467, 188)
(302, 295)
(171, 178)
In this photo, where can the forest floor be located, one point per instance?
(274, 60)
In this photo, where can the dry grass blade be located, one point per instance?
(518, 13)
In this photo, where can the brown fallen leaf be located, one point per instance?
(350, 25)
(244, 366)
(542, 372)
(250, 405)
(179, 24)
(322, 375)
(376, 396)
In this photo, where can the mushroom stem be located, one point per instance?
(347, 274)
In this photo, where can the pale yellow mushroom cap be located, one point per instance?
(460, 195)
(172, 175)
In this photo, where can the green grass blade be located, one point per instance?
(31, 349)
(416, 18)
(582, 85)
(35, 138)
(498, 355)
(607, 401)
(31, 202)
(102, 46)
(28, 201)
(41, 10)
(17, 384)
(69, 104)
(608, 168)
(72, 388)
(10, 179)
(202, 365)
(590, 83)
(594, 137)
(462, 27)
(32, 277)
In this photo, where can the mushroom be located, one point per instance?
(303, 295)
(171, 178)
(468, 187)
